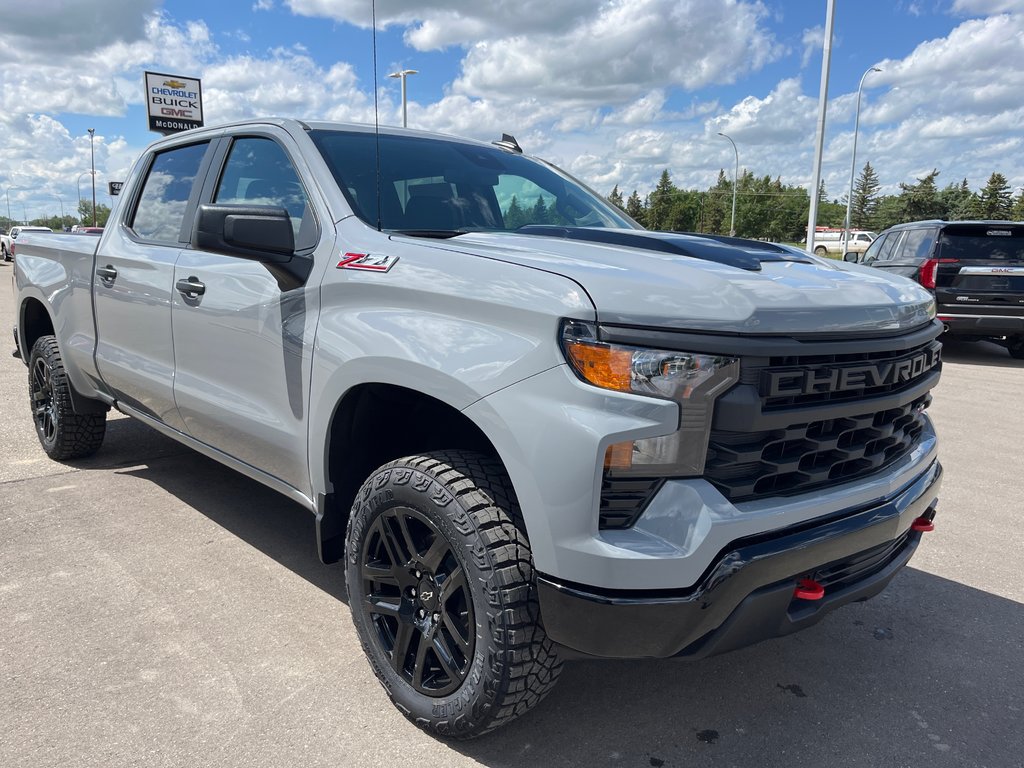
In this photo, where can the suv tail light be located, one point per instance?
(926, 276)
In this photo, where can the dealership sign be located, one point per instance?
(174, 103)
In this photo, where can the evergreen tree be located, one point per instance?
(958, 202)
(865, 199)
(660, 202)
(615, 198)
(995, 201)
(515, 216)
(920, 201)
(635, 209)
(1017, 214)
(539, 214)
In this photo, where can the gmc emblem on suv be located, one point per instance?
(823, 379)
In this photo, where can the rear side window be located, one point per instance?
(917, 244)
(165, 193)
(889, 247)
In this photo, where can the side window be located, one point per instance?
(872, 252)
(916, 244)
(890, 246)
(161, 208)
(258, 172)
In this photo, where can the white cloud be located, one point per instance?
(986, 7)
(813, 40)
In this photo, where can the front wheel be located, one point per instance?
(441, 587)
(63, 433)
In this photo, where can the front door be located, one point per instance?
(243, 346)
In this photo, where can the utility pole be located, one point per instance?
(92, 165)
(826, 63)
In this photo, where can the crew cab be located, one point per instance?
(975, 269)
(528, 438)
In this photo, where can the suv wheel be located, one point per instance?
(63, 433)
(1016, 347)
(440, 582)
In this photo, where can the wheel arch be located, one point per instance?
(372, 424)
(34, 321)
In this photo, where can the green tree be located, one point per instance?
(85, 213)
(1018, 207)
(514, 216)
(995, 201)
(539, 214)
(958, 202)
(615, 198)
(920, 201)
(660, 202)
(635, 209)
(865, 199)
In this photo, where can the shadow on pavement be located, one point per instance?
(978, 353)
(929, 673)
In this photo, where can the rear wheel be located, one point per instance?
(440, 580)
(63, 433)
(3, 247)
(820, 250)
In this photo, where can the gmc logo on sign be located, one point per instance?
(823, 379)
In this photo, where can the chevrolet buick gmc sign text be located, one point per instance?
(174, 103)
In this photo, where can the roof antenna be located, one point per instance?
(508, 143)
(376, 116)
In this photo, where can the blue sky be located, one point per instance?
(613, 90)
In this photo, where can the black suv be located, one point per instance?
(974, 268)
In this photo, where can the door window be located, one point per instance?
(916, 245)
(258, 172)
(161, 209)
(890, 246)
(872, 252)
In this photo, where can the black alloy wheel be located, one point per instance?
(418, 601)
(44, 409)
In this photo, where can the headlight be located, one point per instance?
(690, 379)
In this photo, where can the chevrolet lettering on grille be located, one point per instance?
(811, 380)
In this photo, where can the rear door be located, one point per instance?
(243, 347)
(133, 282)
(980, 269)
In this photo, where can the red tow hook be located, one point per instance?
(808, 589)
(922, 525)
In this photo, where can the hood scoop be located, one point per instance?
(730, 251)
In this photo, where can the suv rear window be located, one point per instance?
(993, 243)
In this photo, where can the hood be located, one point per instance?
(742, 287)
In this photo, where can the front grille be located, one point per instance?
(827, 378)
(804, 456)
(624, 499)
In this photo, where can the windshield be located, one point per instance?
(431, 185)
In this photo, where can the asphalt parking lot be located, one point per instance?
(158, 609)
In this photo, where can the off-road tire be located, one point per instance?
(468, 500)
(63, 433)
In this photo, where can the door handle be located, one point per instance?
(107, 274)
(190, 287)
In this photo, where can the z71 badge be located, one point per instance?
(368, 261)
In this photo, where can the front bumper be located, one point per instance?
(746, 595)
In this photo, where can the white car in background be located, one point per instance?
(6, 241)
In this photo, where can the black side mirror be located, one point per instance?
(851, 256)
(258, 232)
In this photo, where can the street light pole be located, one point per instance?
(61, 201)
(92, 165)
(735, 183)
(403, 74)
(819, 143)
(853, 159)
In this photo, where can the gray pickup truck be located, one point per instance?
(532, 430)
